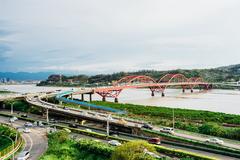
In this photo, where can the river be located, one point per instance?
(227, 101)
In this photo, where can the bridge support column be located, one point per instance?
(103, 99)
(116, 100)
(82, 97)
(163, 94)
(152, 94)
(90, 97)
(71, 96)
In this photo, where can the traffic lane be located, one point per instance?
(218, 156)
(203, 139)
(35, 142)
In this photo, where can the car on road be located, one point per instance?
(88, 130)
(167, 130)
(114, 143)
(28, 124)
(27, 130)
(215, 141)
(23, 155)
(114, 133)
(154, 140)
(13, 119)
(72, 125)
(24, 115)
(147, 126)
(65, 108)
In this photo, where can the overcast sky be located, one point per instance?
(105, 36)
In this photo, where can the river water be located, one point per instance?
(227, 101)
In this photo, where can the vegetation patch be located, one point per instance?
(22, 106)
(5, 92)
(191, 120)
(4, 142)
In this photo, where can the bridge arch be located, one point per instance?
(194, 80)
(168, 78)
(137, 78)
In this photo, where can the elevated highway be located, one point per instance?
(127, 125)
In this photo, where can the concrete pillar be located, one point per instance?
(116, 100)
(71, 96)
(60, 102)
(152, 94)
(163, 94)
(82, 97)
(90, 97)
(103, 99)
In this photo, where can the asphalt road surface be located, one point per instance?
(35, 142)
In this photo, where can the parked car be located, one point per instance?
(167, 130)
(23, 155)
(27, 130)
(147, 126)
(114, 143)
(215, 141)
(154, 140)
(28, 124)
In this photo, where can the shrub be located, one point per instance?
(133, 150)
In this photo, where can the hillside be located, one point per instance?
(220, 74)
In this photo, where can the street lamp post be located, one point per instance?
(108, 118)
(173, 118)
(12, 107)
(11, 142)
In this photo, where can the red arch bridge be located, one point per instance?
(141, 81)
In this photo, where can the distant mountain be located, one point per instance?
(221, 74)
(20, 76)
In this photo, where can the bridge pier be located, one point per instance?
(103, 99)
(152, 94)
(116, 100)
(90, 97)
(163, 94)
(183, 90)
(82, 97)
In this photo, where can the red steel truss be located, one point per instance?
(141, 81)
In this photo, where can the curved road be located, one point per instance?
(35, 142)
